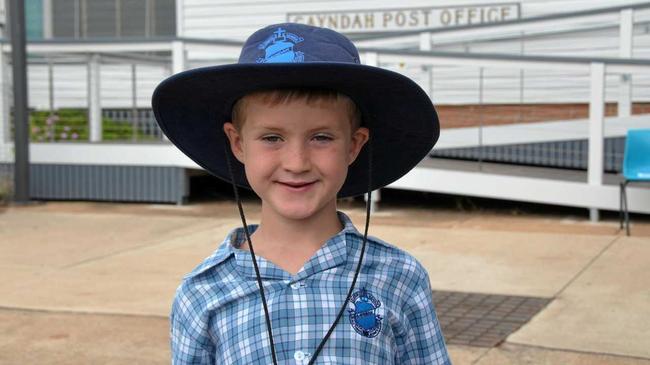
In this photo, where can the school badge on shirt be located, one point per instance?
(364, 318)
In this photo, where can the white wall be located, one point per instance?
(235, 20)
(231, 19)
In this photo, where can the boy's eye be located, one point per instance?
(271, 138)
(322, 138)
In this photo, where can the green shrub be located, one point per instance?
(72, 125)
(65, 125)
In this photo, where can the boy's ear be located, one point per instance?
(359, 138)
(235, 140)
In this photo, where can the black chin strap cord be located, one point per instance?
(257, 271)
(252, 252)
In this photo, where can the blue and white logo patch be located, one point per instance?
(364, 318)
(278, 47)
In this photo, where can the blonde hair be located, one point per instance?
(311, 96)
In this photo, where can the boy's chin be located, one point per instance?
(299, 213)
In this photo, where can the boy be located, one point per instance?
(301, 122)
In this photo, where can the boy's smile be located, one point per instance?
(296, 154)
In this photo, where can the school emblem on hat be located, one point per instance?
(278, 47)
(364, 318)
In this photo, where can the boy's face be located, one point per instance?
(296, 155)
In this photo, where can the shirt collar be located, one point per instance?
(334, 252)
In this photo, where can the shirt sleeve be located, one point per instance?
(421, 341)
(190, 342)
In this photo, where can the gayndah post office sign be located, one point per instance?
(390, 20)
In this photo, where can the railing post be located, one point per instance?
(94, 107)
(625, 51)
(596, 130)
(50, 85)
(134, 103)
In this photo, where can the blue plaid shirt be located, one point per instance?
(217, 315)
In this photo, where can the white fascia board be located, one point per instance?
(538, 132)
(139, 154)
(223, 51)
(99, 47)
(410, 40)
(529, 29)
(615, 68)
(119, 60)
(459, 38)
(485, 61)
(536, 190)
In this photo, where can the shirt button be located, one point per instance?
(299, 355)
(295, 286)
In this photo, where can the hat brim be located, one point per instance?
(192, 106)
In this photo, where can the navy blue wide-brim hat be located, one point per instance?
(192, 106)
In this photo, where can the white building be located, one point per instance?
(470, 55)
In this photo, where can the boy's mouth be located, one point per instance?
(296, 184)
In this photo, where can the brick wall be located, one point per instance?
(456, 116)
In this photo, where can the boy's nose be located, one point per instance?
(296, 159)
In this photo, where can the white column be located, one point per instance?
(48, 32)
(95, 107)
(425, 45)
(374, 200)
(372, 59)
(4, 105)
(625, 51)
(180, 18)
(425, 41)
(596, 129)
(481, 72)
(178, 57)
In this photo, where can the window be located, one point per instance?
(113, 18)
(34, 19)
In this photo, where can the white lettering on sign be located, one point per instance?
(355, 21)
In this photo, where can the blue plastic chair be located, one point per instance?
(636, 167)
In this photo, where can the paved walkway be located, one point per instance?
(92, 283)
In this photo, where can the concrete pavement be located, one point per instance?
(92, 283)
